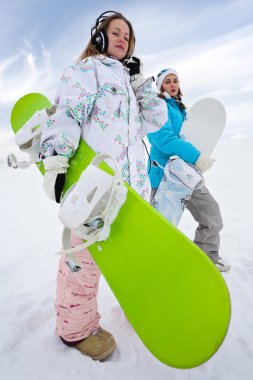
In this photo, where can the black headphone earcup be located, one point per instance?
(100, 41)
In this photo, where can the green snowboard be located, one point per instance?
(171, 293)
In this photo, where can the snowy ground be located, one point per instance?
(30, 233)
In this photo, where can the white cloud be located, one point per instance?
(221, 68)
(5, 63)
(26, 72)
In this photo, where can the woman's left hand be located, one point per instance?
(134, 65)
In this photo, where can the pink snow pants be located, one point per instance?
(76, 297)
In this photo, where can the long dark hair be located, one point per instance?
(178, 98)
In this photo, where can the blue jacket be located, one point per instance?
(167, 142)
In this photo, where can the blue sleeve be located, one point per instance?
(167, 142)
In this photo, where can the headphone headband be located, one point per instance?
(99, 37)
(100, 20)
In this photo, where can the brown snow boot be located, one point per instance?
(98, 345)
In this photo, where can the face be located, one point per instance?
(171, 85)
(118, 35)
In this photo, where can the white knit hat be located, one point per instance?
(162, 75)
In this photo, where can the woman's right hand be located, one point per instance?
(204, 162)
(54, 178)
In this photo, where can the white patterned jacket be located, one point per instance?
(96, 102)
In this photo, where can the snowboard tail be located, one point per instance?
(171, 293)
(175, 189)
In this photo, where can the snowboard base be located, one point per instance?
(174, 297)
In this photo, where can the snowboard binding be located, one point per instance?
(28, 140)
(90, 206)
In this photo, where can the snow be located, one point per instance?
(31, 233)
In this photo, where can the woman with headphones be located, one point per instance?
(96, 102)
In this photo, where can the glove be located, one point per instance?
(54, 178)
(135, 67)
(204, 163)
(51, 111)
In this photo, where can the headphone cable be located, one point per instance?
(149, 159)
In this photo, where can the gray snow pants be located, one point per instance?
(205, 210)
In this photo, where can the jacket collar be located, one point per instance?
(108, 61)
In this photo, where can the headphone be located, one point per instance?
(99, 38)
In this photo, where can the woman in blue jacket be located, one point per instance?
(166, 143)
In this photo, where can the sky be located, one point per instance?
(209, 43)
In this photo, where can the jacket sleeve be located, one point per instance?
(76, 95)
(153, 110)
(167, 142)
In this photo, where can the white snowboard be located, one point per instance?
(204, 124)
